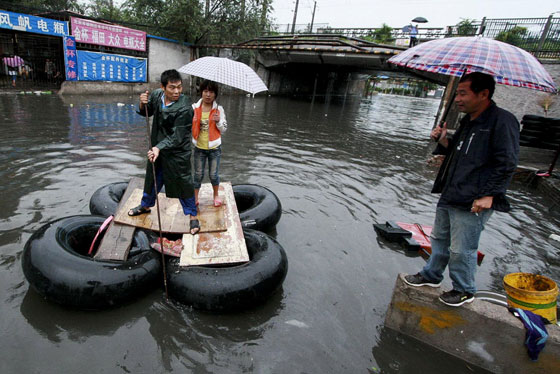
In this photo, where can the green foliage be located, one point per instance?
(514, 36)
(382, 35)
(225, 22)
(104, 9)
(466, 27)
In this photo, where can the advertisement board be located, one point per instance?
(95, 66)
(87, 31)
(70, 58)
(29, 23)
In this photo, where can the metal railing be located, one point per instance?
(286, 28)
(424, 33)
(539, 36)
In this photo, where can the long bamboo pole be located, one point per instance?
(157, 205)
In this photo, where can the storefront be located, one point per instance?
(45, 51)
(31, 52)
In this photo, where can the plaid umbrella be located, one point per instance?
(225, 71)
(14, 61)
(508, 64)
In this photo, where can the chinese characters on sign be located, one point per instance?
(94, 66)
(26, 22)
(87, 31)
(70, 58)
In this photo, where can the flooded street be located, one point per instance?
(336, 167)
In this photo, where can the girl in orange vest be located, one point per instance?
(209, 122)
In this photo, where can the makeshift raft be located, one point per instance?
(220, 240)
(61, 263)
(414, 237)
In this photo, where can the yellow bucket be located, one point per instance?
(532, 292)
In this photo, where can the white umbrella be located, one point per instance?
(225, 71)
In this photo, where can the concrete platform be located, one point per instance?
(481, 333)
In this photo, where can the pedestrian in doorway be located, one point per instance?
(171, 150)
(479, 164)
(49, 69)
(12, 72)
(209, 122)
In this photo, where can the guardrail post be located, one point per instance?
(482, 26)
(544, 35)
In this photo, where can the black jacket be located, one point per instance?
(481, 160)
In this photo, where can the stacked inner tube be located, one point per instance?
(223, 287)
(105, 200)
(259, 208)
(56, 264)
(540, 132)
(231, 288)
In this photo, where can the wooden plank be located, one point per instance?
(117, 240)
(217, 247)
(173, 220)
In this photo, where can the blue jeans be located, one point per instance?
(149, 199)
(454, 241)
(213, 156)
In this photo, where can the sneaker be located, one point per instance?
(456, 298)
(418, 280)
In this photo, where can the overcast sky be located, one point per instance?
(397, 13)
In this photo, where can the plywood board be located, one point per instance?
(117, 240)
(217, 247)
(173, 220)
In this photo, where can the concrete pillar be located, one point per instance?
(480, 333)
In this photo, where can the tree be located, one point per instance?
(225, 22)
(104, 9)
(466, 27)
(195, 21)
(383, 35)
(513, 36)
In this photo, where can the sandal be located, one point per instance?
(217, 202)
(138, 210)
(194, 225)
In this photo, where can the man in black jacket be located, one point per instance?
(479, 164)
(171, 147)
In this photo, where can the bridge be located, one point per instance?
(337, 59)
(328, 63)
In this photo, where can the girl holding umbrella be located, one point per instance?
(209, 122)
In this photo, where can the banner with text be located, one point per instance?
(87, 31)
(29, 23)
(70, 58)
(95, 66)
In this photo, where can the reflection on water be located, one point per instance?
(397, 353)
(337, 167)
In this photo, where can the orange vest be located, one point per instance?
(214, 135)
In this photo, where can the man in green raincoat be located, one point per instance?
(171, 147)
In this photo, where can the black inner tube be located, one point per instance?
(80, 238)
(245, 202)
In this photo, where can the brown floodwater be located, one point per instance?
(337, 166)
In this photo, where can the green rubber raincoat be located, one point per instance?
(171, 133)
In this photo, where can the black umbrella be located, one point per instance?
(420, 20)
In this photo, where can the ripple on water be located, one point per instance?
(336, 167)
